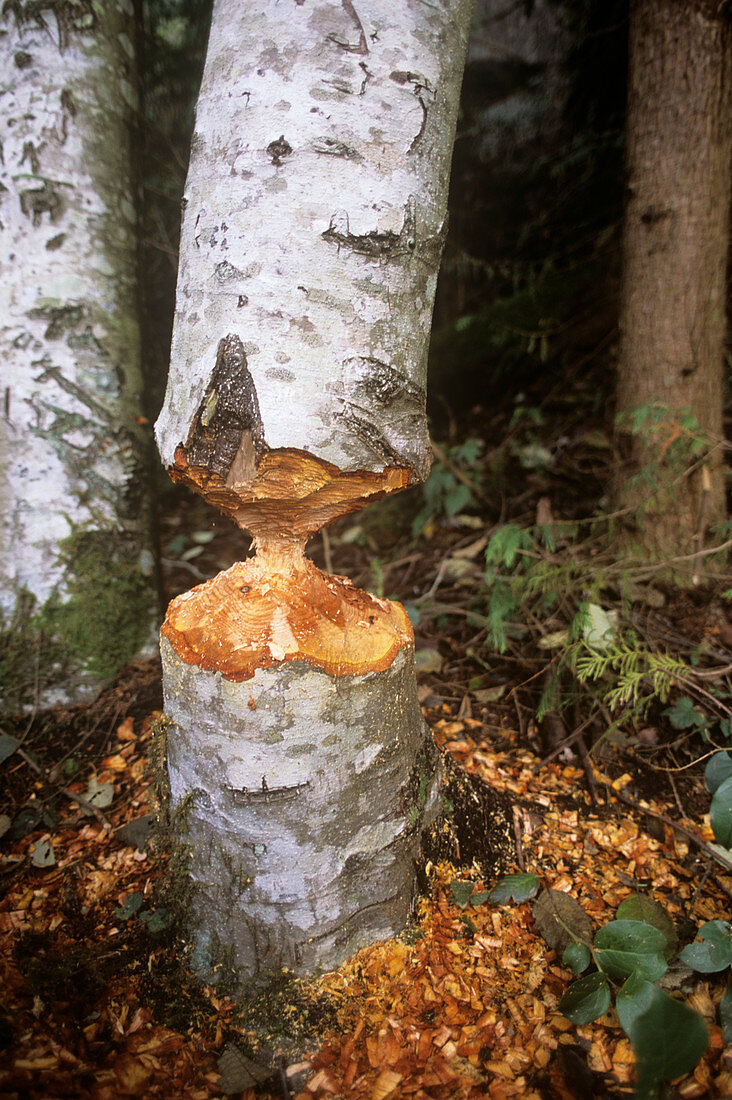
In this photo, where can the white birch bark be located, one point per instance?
(315, 214)
(314, 221)
(75, 551)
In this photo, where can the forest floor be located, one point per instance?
(97, 1002)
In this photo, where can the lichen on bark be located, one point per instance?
(72, 443)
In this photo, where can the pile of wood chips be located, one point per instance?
(463, 1006)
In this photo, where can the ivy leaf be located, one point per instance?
(461, 892)
(625, 947)
(720, 814)
(155, 919)
(560, 919)
(577, 957)
(668, 1039)
(518, 888)
(719, 768)
(129, 906)
(683, 715)
(586, 999)
(634, 998)
(714, 953)
(640, 908)
(479, 897)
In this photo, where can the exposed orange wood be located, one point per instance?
(289, 493)
(278, 606)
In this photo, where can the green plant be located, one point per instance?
(630, 955)
(718, 777)
(452, 486)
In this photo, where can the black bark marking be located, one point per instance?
(242, 796)
(362, 45)
(369, 433)
(61, 319)
(367, 75)
(332, 147)
(279, 149)
(420, 86)
(381, 383)
(378, 245)
(30, 151)
(22, 59)
(37, 201)
(53, 243)
(72, 16)
(655, 214)
(227, 436)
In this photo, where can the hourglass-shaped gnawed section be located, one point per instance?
(314, 220)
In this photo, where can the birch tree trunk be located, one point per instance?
(77, 597)
(315, 212)
(675, 245)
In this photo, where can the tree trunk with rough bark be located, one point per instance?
(672, 320)
(314, 221)
(77, 591)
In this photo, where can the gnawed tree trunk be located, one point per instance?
(77, 597)
(672, 320)
(314, 223)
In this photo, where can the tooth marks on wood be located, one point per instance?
(227, 436)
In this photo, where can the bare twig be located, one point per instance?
(689, 833)
(88, 806)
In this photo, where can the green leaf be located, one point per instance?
(518, 888)
(586, 999)
(428, 660)
(683, 715)
(461, 892)
(129, 906)
(668, 1039)
(577, 957)
(725, 1014)
(599, 628)
(99, 794)
(26, 821)
(720, 814)
(714, 953)
(203, 537)
(625, 947)
(155, 919)
(561, 919)
(718, 769)
(634, 998)
(8, 745)
(457, 499)
(640, 908)
(479, 897)
(42, 854)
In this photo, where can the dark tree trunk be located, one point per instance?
(672, 313)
